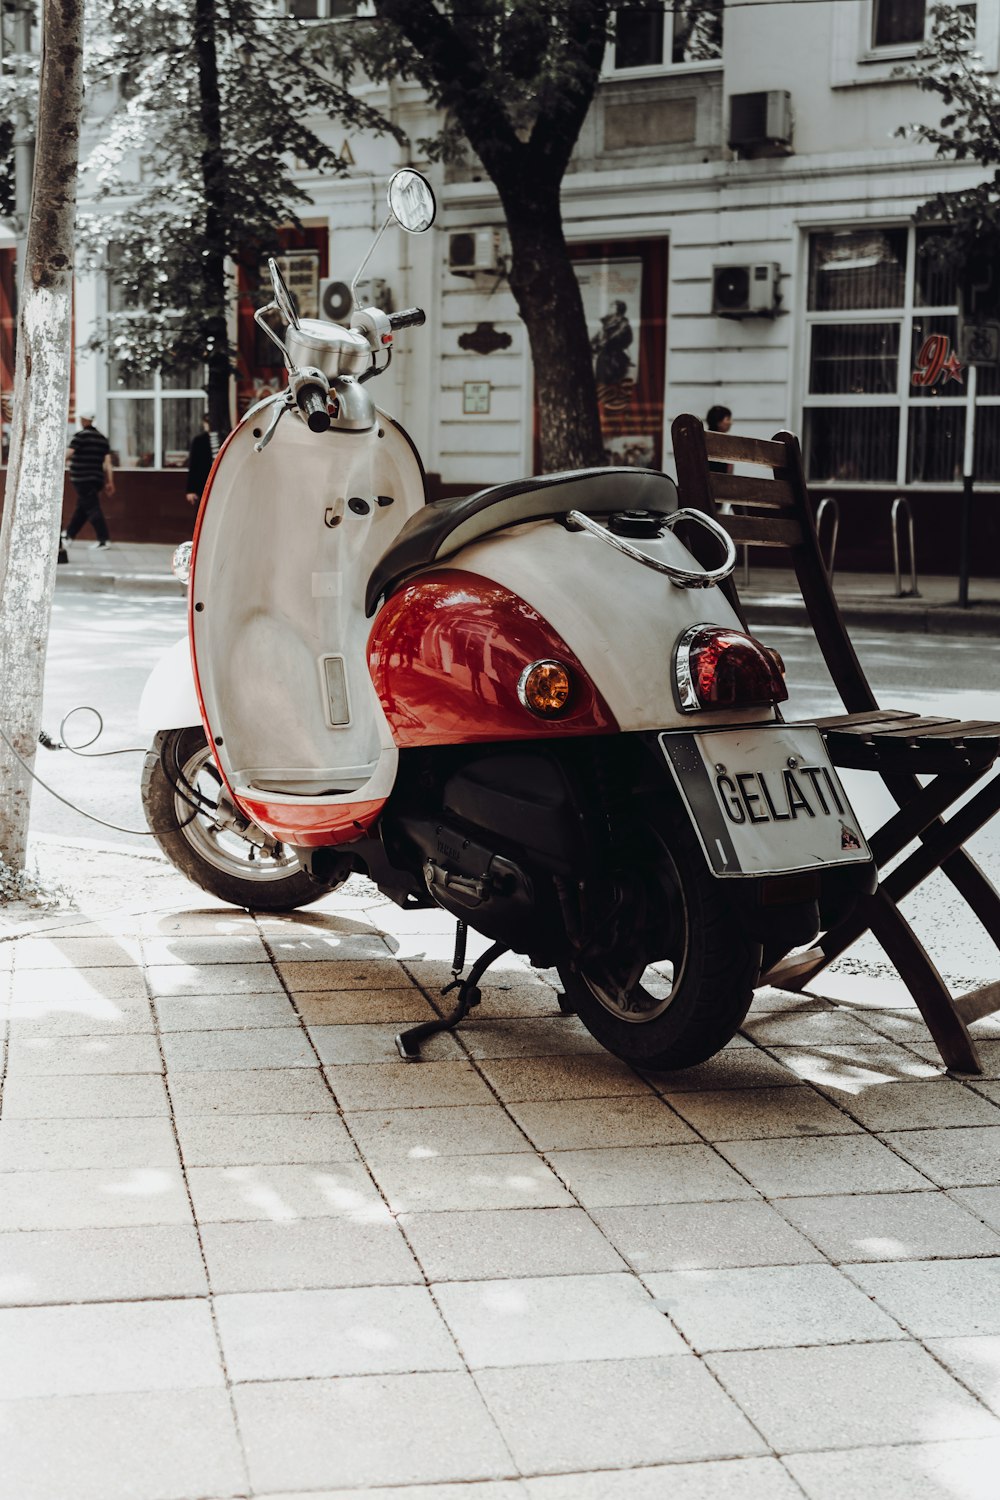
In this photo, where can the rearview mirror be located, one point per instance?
(411, 201)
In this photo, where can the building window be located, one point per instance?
(328, 10)
(650, 35)
(898, 23)
(888, 398)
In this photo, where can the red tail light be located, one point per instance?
(718, 668)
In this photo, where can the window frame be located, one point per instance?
(903, 401)
(666, 67)
(159, 396)
(855, 60)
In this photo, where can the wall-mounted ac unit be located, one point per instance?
(761, 124)
(746, 291)
(475, 250)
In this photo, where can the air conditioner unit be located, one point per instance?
(747, 291)
(474, 250)
(761, 124)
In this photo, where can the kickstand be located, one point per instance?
(408, 1042)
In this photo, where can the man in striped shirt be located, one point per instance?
(91, 472)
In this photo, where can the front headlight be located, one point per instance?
(180, 563)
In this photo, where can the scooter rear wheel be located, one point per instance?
(215, 858)
(676, 982)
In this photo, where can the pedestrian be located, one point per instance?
(719, 419)
(90, 471)
(202, 454)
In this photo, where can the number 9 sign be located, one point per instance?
(930, 360)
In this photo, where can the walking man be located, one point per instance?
(202, 454)
(91, 472)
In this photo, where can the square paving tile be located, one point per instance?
(348, 973)
(363, 1043)
(628, 1120)
(938, 1298)
(826, 1164)
(734, 1068)
(204, 948)
(976, 1363)
(69, 984)
(36, 1056)
(930, 1103)
(100, 1265)
(649, 1174)
(493, 1244)
(251, 1091)
(848, 1070)
(305, 1335)
(699, 1236)
(84, 1097)
(809, 1028)
(542, 1320)
(732, 1479)
(529, 1036)
(917, 1471)
(768, 1307)
(297, 1255)
(858, 1395)
(984, 1202)
(406, 1086)
(363, 1007)
(351, 939)
(248, 1140)
(42, 1145)
(151, 1445)
(963, 1157)
(77, 953)
(211, 979)
(363, 1431)
(442, 1183)
(223, 1012)
(613, 1414)
(586, 1077)
(460, 1130)
(214, 1051)
(96, 1348)
(283, 1193)
(58, 1017)
(759, 1114)
(890, 1226)
(93, 1198)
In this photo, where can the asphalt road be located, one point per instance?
(102, 647)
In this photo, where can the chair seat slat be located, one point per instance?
(747, 489)
(762, 531)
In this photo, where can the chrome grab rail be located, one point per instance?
(829, 503)
(685, 578)
(901, 507)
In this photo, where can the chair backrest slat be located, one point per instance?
(763, 531)
(785, 489)
(752, 489)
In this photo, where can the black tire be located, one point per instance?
(706, 967)
(218, 861)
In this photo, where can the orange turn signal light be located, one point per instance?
(544, 688)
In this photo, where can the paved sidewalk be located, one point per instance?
(245, 1251)
(867, 599)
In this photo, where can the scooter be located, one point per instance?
(531, 707)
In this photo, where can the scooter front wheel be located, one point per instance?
(673, 985)
(180, 789)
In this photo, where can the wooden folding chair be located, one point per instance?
(774, 511)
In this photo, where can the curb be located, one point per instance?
(940, 619)
(117, 583)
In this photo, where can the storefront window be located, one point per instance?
(887, 399)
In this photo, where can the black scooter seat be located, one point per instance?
(445, 526)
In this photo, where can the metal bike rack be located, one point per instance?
(829, 503)
(901, 507)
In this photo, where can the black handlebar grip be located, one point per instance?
(410, 317)
(312, 401)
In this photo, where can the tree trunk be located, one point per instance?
(213, 249)
(29, 536)
(548, 298)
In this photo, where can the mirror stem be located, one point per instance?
(371, 251)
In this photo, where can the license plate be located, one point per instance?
(764, 799)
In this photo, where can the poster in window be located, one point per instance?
(623, 285)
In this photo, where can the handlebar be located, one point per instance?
(410, 317)
(312, 399)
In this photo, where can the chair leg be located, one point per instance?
(919, 974)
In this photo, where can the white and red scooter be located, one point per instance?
(529, 706)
